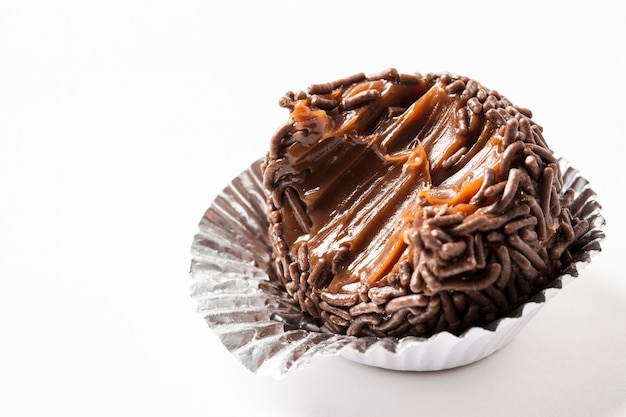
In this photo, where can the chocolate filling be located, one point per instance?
(406, 205)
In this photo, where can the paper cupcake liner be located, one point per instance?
(260, 326)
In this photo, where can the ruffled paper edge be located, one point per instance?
(269, 336)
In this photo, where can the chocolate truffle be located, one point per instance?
(409, 204)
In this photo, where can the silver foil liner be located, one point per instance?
(261, 326)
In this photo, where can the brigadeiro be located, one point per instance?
(408, 205)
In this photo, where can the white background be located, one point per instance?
(121, 120)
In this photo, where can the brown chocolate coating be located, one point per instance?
(407, 205)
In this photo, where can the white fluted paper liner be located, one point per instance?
(261, 327)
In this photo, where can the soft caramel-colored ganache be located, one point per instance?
(402, 204)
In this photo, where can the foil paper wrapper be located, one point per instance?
(260, 325)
